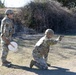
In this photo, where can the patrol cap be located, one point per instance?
(8, 11)
(49, 31)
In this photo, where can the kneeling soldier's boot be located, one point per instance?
(48, 64)
(32, 63)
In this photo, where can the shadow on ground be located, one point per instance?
(57, 71)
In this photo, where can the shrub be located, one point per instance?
(41, 16)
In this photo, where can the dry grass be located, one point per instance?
(62, 57)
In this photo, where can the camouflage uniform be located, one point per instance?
(40, 52)
(7, 30)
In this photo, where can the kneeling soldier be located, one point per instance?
(41, 50)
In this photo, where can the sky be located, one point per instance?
(16, 3)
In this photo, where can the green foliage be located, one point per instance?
(1, 5)
(68, 3)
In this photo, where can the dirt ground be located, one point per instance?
(62, 57)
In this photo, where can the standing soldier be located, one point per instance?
(41, 50)
(7, 29)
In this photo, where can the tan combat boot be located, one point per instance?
(6, 63)
(32, 63)
(48, 65)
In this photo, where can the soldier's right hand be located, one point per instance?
(6, 40)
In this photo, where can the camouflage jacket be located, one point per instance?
(7, 29)
(43, 45)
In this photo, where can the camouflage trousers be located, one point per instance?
(4, 52)
(40, 62)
